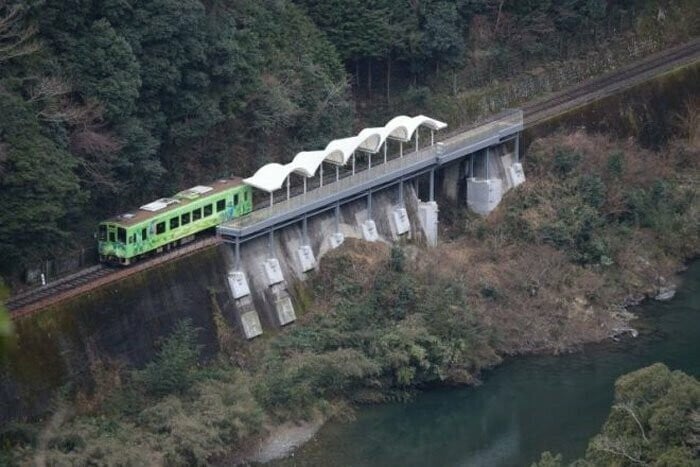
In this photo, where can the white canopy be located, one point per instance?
(271, 177)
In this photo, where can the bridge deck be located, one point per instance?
(467, 142)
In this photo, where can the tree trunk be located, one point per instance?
(498, 17)
(369, 78)
(388, 80)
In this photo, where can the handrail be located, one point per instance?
(396, 164)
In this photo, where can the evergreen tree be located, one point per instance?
(38, 189)
(107, 70)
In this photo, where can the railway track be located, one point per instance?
(611, 82)
(31, 301)
(76, 284)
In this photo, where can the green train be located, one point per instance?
(168, 222)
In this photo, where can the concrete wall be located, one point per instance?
(321, 230)
(124, 321)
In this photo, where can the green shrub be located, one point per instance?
(565, 161)
(616, 163)
(174, 368)
(592, 189)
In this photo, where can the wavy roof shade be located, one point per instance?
(403, 127)
(339, 151)
(371, 139)
(306, 163)
(271, 177)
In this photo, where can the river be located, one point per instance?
(525, 406)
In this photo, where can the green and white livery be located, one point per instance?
(168, 222)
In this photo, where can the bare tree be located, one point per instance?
(17, 38)
(618, 447)
(628, 407)
(689, 122)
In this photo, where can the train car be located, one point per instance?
(169, 222)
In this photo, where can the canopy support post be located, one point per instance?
(337, 173)
(272, 198)
(305, 184)
(321, 181)
(386, 141)
(353, 163)
(432, 137)
(288, 192)
(400, 148)
(417, 132)
(369, 160)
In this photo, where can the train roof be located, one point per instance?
(163, 205)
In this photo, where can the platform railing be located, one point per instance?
(395, 164)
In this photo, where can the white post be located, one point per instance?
(416, 139)
(288, 187)
(272, 198)
(321, 183)
(432, 137)
(304, 184)
(353, 163)
(369, 160)
(386, 141)
(337, 173)
(400, 148)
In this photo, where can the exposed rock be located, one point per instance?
(617, 333)
(666, 293)
(633, 300)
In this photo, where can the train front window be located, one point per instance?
(102, 233)
(235, 199)
(144, 234)
(112, 237)
(121, 235)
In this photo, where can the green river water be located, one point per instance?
(525, 406)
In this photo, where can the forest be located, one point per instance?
(106, 104)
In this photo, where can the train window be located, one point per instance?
(102, 233)
(112, 237)
(220, 205)
(185, 218)
(160, 228)
(245, 196)
(197, 214)
(174, 223)
(235, 199)
(121, 235)
(144, 234)
(132, 239)
(208, 209)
